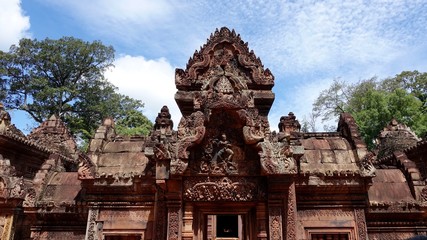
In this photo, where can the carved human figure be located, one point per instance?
(224, 153)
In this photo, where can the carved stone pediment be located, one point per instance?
(224, 51)
(224, 95)
(224, 74)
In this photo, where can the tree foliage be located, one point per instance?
(133, 123)
(64, 77)
(373, 103)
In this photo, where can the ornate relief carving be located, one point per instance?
(30, 198)
(257, 127)
(361, 224)
(11, 186)
(91, 229)
(217, 189)
(174, 222)
(275, 222)
(276, 158)
(307, 214)
(291, 213)
(217, 157)
(3, 189)
(191, 131)
(367, 169)
(224, 48)
(86, 167)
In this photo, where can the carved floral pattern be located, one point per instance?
(291, 213)
(173, 223)
(275, 219)
(91, 226)
(217, 189)
(361, 224)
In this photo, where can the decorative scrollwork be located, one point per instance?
(226, 189)
(276, 158)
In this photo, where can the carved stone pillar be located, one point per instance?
(291, 213)
(275, 221)
(7, 233)
(261, 222)
(160, 216)
(187, 221)
(362, 230)
(91, 227)
(174, 222)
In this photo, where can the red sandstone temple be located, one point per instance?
(223, 174)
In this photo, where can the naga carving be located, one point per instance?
(191, 131)
(276, 158)
(86, 168)
(367, 169)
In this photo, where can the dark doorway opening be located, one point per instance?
(227, 226)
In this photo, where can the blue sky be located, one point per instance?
(306, 44)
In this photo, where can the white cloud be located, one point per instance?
(151, 81)
(14, 25)
(309, 42)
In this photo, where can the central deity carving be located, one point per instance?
(217, 158)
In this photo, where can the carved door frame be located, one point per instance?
(245, 209)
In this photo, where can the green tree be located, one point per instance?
(332, 101)
(133, 123)
(373, 104)
(64, 77)
(413, 82)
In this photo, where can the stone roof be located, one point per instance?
(114, 157)
(47, 138)
(125, 157)
(328, 155)
(389, 186)
(61, 190)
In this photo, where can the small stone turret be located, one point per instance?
(289, 124)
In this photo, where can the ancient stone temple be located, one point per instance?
(222, 174)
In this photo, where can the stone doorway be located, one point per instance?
(225, 227)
